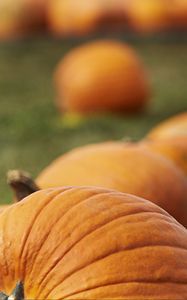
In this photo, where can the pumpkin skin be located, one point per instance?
(149, 15)
(178, 13)
(173, 127)
(125, 167)
(92, 243)
(20, 17)
(173, 148)
(103, 75)
(3, 207)
(70, 17)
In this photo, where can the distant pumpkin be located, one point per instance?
(21, 17)
(70, 17)
(178, 13)
(125, 167)
(148, 15)
(175, 126)
(101, 76)
(91, 243)
(77, 18)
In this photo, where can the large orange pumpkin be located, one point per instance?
(174, 148)
(20, 17)
(175, 126)
(101, 76)
(91, 243)
(124, 167)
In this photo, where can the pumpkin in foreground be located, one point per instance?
(101, 76)
(126, 167)
(91, 243)
(175, 126)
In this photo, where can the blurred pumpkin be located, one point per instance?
(91, 243)
(72, 17)
(175, 126)
(148, 15)
(178, 13)
(20, 17)
(125, 167)
(37, 13)
(174, 148)
(101, 76)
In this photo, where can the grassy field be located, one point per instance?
(32, 133)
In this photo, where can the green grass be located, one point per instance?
(32, 133)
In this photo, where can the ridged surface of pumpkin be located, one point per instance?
(103, 75)
(125, 167)
(92, 243)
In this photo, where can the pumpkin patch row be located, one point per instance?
(152, 169)
(76, 240)
(106, 220)
(72, 18)
(20, 18)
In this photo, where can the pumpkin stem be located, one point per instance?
(17, 294)
(21, 183)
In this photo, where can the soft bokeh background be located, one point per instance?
(32, 132)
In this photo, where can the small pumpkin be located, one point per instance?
(125, 167)
(99, 76)
(91, 243)
(175, 126)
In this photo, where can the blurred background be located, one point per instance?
(35, 35)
